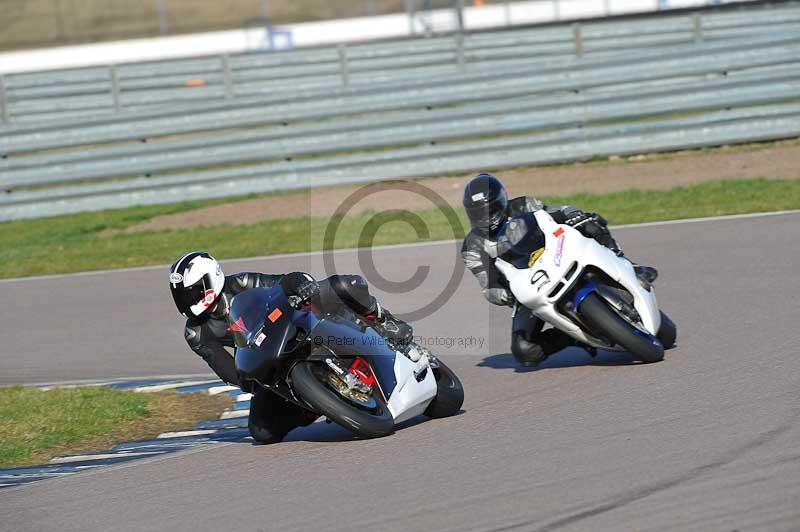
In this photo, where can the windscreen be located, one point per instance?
(519, 242)
(256, 313)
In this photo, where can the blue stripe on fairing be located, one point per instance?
(582, 292)
(242, 405)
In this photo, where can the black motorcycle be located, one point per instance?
(338, 366)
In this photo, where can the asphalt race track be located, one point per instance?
(706, 440)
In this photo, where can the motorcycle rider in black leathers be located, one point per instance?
(488, 208)
(203, 294)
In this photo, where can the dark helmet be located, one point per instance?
(196, 282)
(486, 202)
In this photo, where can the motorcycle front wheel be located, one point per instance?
(370, 420)
(602, 318)
(449, 393)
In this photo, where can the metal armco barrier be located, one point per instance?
(669, 63)
(391, 111)
(44, 95)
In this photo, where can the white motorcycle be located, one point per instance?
(583, 289)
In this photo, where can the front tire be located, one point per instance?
(449, 393)
(597, 314)
(368, 424)
(667, 333)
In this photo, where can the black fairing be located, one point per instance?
(257, 312)
(347, 339)
(267, 312)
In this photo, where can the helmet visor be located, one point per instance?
(487, 216)
(186, 297)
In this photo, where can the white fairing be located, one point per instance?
(537, 287)
(410, 398)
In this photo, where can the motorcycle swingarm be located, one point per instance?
(318, 355)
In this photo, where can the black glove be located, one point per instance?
(299, 287)
(499, 296)
(590, 224)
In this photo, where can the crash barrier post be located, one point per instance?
(460, 60)
(343, 67)
(577, 39)
(697, 27)
(115, 93)
(5, 114)
(226, 75)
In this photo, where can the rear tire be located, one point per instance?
(449, 393)
(599, 315)
(327, 402)
(667, 333)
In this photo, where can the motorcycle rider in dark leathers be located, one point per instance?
(203, 294)
(488, 208)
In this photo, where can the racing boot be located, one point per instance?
(532, 351)
(394, 328)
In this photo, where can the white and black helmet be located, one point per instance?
(196, 282)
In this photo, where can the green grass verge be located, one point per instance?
(37, 425)
(74, 243)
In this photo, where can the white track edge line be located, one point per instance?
(99, 470)
(392, 246)
(206, 377)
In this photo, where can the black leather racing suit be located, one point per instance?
(208, 335)
(529, 343)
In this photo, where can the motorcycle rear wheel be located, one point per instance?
(374, 423)
(601, 317)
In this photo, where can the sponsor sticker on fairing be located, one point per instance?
(559, 233)
(535, 256)
(275, 315)
(239, 326)
(540, 278)
(260, 339)
(175, 278)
